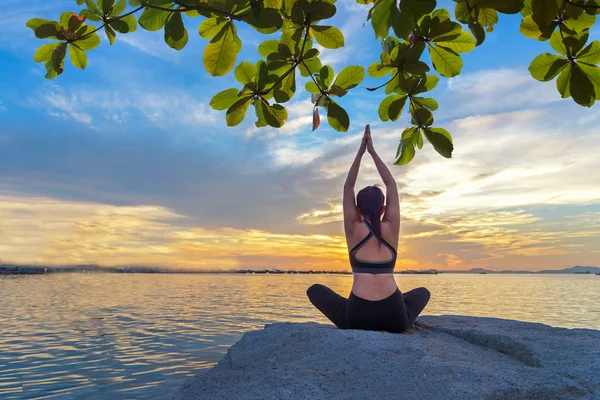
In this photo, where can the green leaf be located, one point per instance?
(395, 83)
(557, 43)
(317, 11)
(44, 53)
(593, 73)
(65, 17)
(310, 53)
(477, 31)
(110, 34)
(417, 68)
(125, 25)
(35, 23)
(329, 37)
(209, 28)
(58, 58)
(464, 43)
(91, 42)
(325, 76)
(279, 112)
(445, 61)
(530, 28)
(106, 6)
(576, 43)
(313, 65)
(427, 84)
(383, 16)
(176, 35)
(75, 22)
(384, 107)
(265, 20)
(563, 83)
(403, 21)
(284, 90)
(153, 19)
(225, 99)
(335, 90)
(419, 140)
(582, 88)
(269, 115)
(50, 72)
(245, 72)
(236, 113)
(527, 8)
(583, 22)
(488, 17)
(220, 53)
(430, 103)
(546, 66)
(91, 5)
(312, 87)
(350, 77)
(50, 30)
(462, 12)
(406, 148)
(544, 11)
(441, 140)
(78, 56)
(267, 47)
(337, 117)
(591, 54)
(119, 8)
(396, 106)
(377, 70)
(89, 15)
(421, 116)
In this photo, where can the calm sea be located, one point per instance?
(136, 336)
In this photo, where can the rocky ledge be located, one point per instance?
(442, 357)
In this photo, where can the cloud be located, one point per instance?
(46, 230)
(162, 107)
(495, 91)
(151, 43)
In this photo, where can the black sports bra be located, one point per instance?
(369, 267)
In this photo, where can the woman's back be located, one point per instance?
(372, 231)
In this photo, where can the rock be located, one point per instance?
(442, 357)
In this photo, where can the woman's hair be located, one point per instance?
(370, 203)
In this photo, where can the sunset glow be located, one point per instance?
(129, 165)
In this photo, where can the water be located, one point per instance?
(135, 336)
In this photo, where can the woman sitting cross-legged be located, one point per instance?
(375, 302)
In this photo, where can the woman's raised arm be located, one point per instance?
(392, 204)
(351, 215)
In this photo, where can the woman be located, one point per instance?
(375, 302)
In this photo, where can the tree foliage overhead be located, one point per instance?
(408, 29)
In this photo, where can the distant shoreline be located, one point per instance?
(10, 269)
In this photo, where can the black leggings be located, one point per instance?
(395, 313)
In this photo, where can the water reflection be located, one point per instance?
(138, 336)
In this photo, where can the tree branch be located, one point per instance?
(289, 71)
(185, 7)
(562, 35)
(380, 86)
(419, 125)
(314, 80)
(111, 20)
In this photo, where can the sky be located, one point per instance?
(126, 163)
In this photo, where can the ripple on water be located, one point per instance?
(98, 336)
